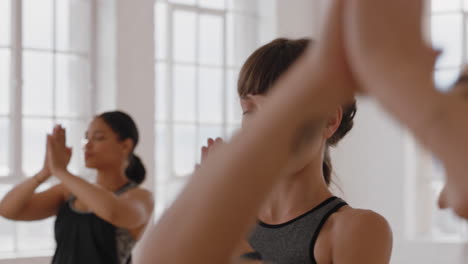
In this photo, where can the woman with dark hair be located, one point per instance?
(96, 222)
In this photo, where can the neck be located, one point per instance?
(295, 195)
(111, 179)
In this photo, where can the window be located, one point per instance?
(448, 24)
(200, 47)
(47, 45)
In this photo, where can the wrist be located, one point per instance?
(40, 177)
(60, 172)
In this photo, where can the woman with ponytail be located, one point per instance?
(95, 222)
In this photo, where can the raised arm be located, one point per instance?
(213, 213)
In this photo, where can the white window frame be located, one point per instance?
(174, 181)
(16, 116)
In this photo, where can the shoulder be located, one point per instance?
(369, 228)
(140, 194)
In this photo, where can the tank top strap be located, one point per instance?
(129, 185)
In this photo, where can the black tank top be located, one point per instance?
(84, 238)
(292, 242)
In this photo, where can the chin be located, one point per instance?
(90, 165)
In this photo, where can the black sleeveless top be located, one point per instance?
(84, 238)
(292, 242)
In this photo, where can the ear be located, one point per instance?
(127, 146)
(333, 122)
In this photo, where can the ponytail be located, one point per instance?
(135, 171)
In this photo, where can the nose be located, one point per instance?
(86, 144)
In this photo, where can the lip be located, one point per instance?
(88, 155)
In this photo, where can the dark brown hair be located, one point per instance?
(267, 64)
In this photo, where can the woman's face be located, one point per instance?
(103, 148)
(251, 104)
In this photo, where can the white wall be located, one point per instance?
(126, 70)
(370, 163)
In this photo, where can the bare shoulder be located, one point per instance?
(367, 227)
(351, 221)
(141, 194)
(360, 217)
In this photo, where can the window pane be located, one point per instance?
(38, 235)
(4, 81)
(168, 192)
(73, 25)
(211, 40)
(160, 30)
(186, 2)
(446, 5)
(215, 4)
(450, 41)
(210, 95)
(37, 23)
(184, 93)
(205, 132)
(444, 79)
(5, 12)
(7, 228)
(246, 6)
(161, 95)
(73, 90)
(5, 154)
(37, 89)
(234, 110)
(34, 143)
(184, 149)
(241, 38)
(75, 134)
(162, 153)
(184, 36)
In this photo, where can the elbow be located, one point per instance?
(6, 213)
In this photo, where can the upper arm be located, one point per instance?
(133, 209)
(365, 238)
(43, 204)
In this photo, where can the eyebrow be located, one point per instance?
(95, 132)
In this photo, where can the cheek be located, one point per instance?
(108, 151)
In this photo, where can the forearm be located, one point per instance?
(214, 213)
(98, 200)
(18, 198)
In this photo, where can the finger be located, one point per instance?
(204, 153)
(61, 135)
(49, 145)
(210, 142)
